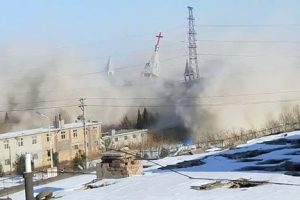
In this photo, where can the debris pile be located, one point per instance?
(239, 183)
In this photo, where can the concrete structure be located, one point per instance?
(123, 138)
(118, 165)
(67, 140)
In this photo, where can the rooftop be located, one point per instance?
(125, 132)
(42, 130)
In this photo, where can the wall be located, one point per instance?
(14, 149)
(66, 147)
(136, 137)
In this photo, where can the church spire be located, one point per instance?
(152, 67)
(109, 68)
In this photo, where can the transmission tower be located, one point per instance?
(193, 60)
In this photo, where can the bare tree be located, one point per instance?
(296, 112)
(273, 126)
(287, 120)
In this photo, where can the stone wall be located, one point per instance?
(118, 165)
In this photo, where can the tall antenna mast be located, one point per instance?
(193, 60)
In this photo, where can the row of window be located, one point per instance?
(63, 135)
(20, 142)
(87, 145)
(8, 162)
(34, 139)
(125, 137)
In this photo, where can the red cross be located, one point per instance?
(158, 38)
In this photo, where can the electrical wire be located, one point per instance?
(246, 25)
(203, 105)
(202, 178)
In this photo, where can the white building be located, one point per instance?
(21, 142)
(67, 140)
(123, 138)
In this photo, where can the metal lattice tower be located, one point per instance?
(193, 60)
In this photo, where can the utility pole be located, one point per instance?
(10, 162)
(82, 107)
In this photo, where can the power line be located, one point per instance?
(247, 25)
(172, 44)
(35, 102)
(38, 108)
(134, 66)
(250, 41)
(243, 55)
(151, 98)
(194, 97)
(126, 37)
(194, 105)
(202, 178)
(171, 97)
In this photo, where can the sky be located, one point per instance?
(116, 26)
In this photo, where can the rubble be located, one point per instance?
(239, 183)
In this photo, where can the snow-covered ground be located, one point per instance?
(9, 181)
(227, 164)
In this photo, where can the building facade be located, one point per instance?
(125, 138)
(67, 140)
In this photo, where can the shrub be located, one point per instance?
(79, 161)
(19, 165)
(164, 152)
(1, 170)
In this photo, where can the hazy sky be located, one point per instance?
(96, 20)
(91, 31)
(70, 36)
(73, 22)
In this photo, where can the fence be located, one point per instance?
(244, 137)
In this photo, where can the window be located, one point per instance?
(63, 135)
(20, 142)
(116, 139)
(75, 133)
(7, 162)
(133, 136)
(76, 146)
(35, 156)
(48, 153)
(125, 137)
(48, 137)
(6, 144)
(34, 139)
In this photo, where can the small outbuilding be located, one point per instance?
(118, 165)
